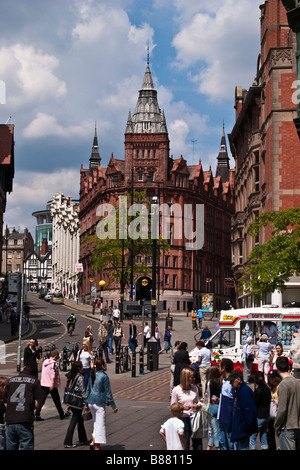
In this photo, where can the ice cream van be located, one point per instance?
(238, 324)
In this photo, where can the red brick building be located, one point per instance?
(183, 275)
(264, 142)
(7, 171)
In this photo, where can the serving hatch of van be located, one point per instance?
(236, 325)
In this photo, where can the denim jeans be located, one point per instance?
(262, 426)
(197, 443)
(110, 344)
(19, 436)
(242, 445)
(225, 442)
(289, 439)
(214, 438)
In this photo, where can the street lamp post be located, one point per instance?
(102, 285)
(152, 344)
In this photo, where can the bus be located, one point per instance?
(236, 325)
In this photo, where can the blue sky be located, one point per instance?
(69, 63)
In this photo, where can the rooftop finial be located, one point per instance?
(148, 54)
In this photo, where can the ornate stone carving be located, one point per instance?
(281, 57)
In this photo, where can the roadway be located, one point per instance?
(143, 401)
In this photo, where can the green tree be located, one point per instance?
(107, 251)
(271, 265)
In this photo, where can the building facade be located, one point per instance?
(43, 229)
(16, 246)
(7, 171)
(65, 244)
(184, 276)
(38, 268)
(265, 144)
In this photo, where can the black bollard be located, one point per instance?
(117, 366)
(141, 361)
(133, 368)
(151, 359)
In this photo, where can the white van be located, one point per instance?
(236, 325)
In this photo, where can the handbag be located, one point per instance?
(200, 424)
(250, 357)
(86, 415)
(73, 398)
(273, 409)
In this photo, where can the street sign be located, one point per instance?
(79, 268)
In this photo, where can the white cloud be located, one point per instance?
(30, 75)
(32, 191)
(214, 45)
(45, 125)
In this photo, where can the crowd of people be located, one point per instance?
(243, 409)
(9, 315)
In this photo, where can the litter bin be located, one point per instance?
(169, 321)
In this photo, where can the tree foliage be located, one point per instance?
(112, 255)
(271, 264)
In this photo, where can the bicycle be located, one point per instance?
(124, 359)
(68, 357)
(71, 329)
(47, 351)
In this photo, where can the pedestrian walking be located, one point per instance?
(172, 367)
(181, 360)
(262, 400)
(157, 336)
(172, 430)
(204, 361)
(147, 333)
(118, 335)
(187, 394)
(50, 381)
(274, 380)
(213, 390)
(194, 318)
(75, 380)
(205, 334)
(13, 322)
(226, 405)
(200, 316)
(132, 341)
(3, 382)
(167, 340)
(19, 414)
(116, 315)
(247, 358)
(31, 355)
(110, 330)
(264, 353)
(287, 422)
(88, 336)
(26, 313)
(99, 395)
(244, 417)
(103, 339)
(86, 357)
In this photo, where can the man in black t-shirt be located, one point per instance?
(22, 394)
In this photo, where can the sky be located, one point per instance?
(70, 64)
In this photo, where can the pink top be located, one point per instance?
(50, 371)
(186, 397)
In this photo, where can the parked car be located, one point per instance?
(48, 296)
(42, 293)
(57, 298)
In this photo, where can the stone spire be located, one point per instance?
(223, 160)
(147, 118)
(95, 158)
